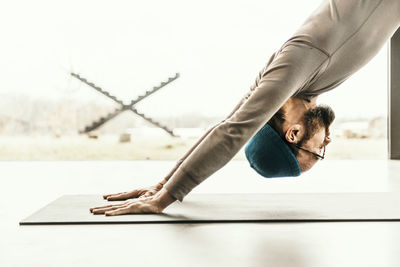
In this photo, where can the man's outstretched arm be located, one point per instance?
(242, 100)
(152, 190)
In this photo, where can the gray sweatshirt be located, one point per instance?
(335, 41)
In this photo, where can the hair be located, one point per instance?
(313, 119)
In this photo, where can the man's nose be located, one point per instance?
(327, 140)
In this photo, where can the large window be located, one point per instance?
(217, 47)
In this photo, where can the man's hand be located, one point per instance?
(137, 193)
(152, 204)
(144, 205)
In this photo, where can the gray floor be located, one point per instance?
(27, 186)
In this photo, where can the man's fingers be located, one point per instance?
(120, 211)
(114, 194)
(123, 204)
(123, 196)
(102, 210)
(146, 206)
(108, 206)
(91, 209)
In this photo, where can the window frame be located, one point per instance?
(394, 96)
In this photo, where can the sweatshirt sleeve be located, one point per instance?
(182, 159)
(243, 99)
(289, 71)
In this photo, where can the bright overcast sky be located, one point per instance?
(127, 47)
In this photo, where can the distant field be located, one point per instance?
(164, 148)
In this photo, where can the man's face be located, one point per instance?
(306, 129)
(315, 144)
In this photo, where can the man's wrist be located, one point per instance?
(164, 199)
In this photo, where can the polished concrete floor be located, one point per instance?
(27, 186)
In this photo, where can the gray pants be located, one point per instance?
(337, 39)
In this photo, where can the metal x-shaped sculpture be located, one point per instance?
(123, 107)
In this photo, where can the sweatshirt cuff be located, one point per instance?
(180, 184)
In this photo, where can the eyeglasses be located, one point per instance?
(315, 154)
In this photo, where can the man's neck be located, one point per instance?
(295, 108)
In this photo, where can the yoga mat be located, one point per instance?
(201, 208)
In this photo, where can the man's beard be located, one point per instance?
(314, 119)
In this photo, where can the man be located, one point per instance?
(337, 39)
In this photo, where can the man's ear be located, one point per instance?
(293, 133)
